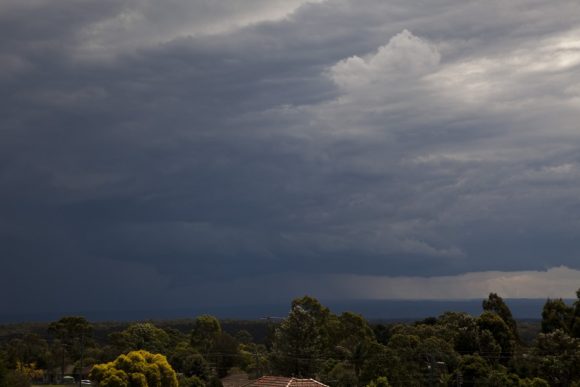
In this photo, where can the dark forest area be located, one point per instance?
(346, 350)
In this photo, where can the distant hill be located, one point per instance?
(370, 309)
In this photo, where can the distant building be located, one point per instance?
(280, 381)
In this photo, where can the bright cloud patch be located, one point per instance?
(535, 74)
(557, 282)
(404, 56)
(146, 23)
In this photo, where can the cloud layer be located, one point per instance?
(172, 151)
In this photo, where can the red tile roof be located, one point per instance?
(280, 381)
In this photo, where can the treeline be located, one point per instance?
(454, 349)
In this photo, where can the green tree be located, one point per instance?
(192, 381)
(379, 382)
(29, 349)
(298, 341)
(489, 347)
(496, 304)
(3, 371)
(15, 378)
(206, 330)
(353, 337)
(342, 375)
(535, 382)
(71, 333)
(575, 317)
(136, 369)
(224, 353)
(383, 361)
(556, 356)
(70, 329)
(138, 336)
(464, 331)
(500, 331)
(411, 368)
(500, 378)
(244, 337)
(189, 362)
(473, 369)
(556, 315)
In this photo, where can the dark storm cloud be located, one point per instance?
(193, 149)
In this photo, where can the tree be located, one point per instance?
(342, 375)
(224, 353)
(383, 361)
(556, 357)
(489, 347)
(379, 382)
(323, 319)
(464, 331)
(298, 341)
(353, 338)
(472, 369)
(500, 377)
(71, 332)
(3, 371)
(192, 381)
(411, 363)
(138, 336)
(30, 349)
(187, 361)
(500, 332)
(495, 304)
(136, 369)
(535, 382)
(575, 317)
(70, 329)
(556, 315)
(206, 330)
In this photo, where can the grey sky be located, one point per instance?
(192, 152)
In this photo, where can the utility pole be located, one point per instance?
(62, 366)
(81, 362)
(258, 365)
(431, 372)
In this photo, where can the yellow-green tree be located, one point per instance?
(135, 369)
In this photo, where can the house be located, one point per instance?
(281, 381)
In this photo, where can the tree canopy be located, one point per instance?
(136, 369)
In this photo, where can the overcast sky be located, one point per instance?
(194, 152)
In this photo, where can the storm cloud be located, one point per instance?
(199, 152)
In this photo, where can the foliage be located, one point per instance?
(138, 336)
(70, 329)
(15, 378)
(206, 331)
(379, 382)
(473, 369)
(298, 342)
(556, 357)
(535, 382)
(224, 353)
(136, 369)
(192, 381)
(187, 361)
(342, 350)
(3, 371)
(556, 315)
(342, 375)
(500, 332)
(496, 304)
